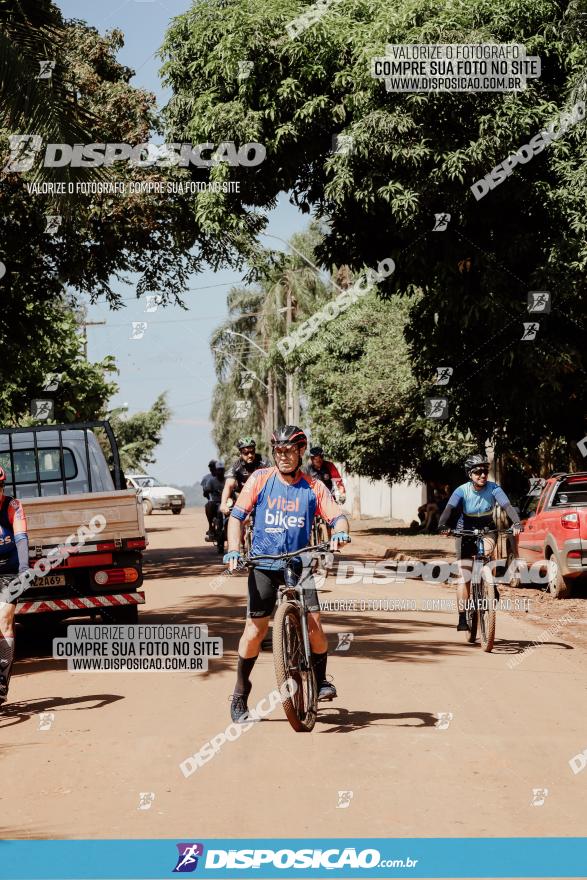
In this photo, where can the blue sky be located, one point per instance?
(174, 353)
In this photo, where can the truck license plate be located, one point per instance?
(50, 580)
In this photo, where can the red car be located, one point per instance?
(554, 517)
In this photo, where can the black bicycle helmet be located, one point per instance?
(316, 450)
(245, 441)
(289, 434)
(475, 461)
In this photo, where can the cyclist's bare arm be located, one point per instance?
(229, 487)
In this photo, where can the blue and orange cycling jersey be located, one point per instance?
(12, 526)
(284, 512)
(476, 505)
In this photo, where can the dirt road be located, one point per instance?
(505, 732)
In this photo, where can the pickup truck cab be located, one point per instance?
(554, 517)
(156, 495)
(61, 476)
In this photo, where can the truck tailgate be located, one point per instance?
(51, 520)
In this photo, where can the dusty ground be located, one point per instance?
(506, 731)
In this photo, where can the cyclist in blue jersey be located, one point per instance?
(285, 501)
(472, 505)
(14, 558)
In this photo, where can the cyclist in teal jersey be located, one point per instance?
(472, 505)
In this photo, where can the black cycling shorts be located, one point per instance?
(466, 547)
(263, 586)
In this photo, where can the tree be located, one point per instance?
(414, 156)
(138, 436)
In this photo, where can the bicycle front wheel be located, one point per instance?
(472, 611)
(487, 611)
(291, 665)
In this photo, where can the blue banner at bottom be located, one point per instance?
(285, 858)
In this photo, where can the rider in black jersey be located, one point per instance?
(240, 471)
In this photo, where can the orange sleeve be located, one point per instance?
(16, 517)
(327, 507)
(249, 494)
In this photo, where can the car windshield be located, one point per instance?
(147, 482)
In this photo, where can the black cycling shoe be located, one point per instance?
(239, 710)
(327, 691)
(462, 625)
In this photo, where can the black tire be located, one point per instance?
(220, 534)
(472, 613)
(288, 657)
(125, 615)
(558, 586)
(176, 512)
(147, 507)
(511, 559)
(487, 613)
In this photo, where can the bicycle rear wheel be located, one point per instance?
(487, 612)
(290, 663)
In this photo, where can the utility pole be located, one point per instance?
(85, 325)
(292, 403)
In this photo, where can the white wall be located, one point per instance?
(376, 498)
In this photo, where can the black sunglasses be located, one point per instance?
(479, 471)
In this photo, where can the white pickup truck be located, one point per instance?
(60, 474)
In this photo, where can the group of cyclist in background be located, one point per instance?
(284, 500)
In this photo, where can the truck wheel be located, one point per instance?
(127, 615)
(176, 512)
(147, 507)
(558, 586)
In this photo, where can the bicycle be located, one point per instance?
(292, 655)
(481, 605)
(319, 531)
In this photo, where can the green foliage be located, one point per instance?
(138, 436)
(416, 155)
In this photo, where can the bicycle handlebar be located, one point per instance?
(317, 548)
(474, 533)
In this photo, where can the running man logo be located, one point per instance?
(530, 330)
(443, 375)
(344, 799)
(436, 408)
(344, 641)
(539, 301)
(441, 222)
(46, 69)
(539, 795)
(187, 859)
(146, 799)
